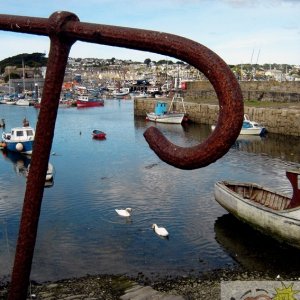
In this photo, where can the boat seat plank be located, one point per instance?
(270, 200)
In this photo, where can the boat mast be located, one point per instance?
(23, 75)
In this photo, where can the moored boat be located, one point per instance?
(20, 139)
(120, 93)
(163, 115)
(170, 118)
(49, 178)
(98, 134)
(249, 127)
(89, 101)
(11, 102)
(23, 102)
(268, 211)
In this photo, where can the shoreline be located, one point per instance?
(204, 286)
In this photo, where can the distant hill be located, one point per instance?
(33, 60)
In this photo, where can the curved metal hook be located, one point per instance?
(216, 145)
(64, 29)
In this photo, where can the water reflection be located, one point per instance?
(79, 230)
(21, 163)
(255, 251)
(273, 145)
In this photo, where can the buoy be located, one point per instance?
(19, 147)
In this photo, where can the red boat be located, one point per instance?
(87, 101)
(98, 134)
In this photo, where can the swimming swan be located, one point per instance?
(160, 230)
(124, 212)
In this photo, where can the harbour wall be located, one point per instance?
(287, 91)
(276, 120)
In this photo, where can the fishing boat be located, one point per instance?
(249, 127)
(273, 213)
(120, 93)
(11, 102)
(98, 134)
(23, 102)
(89, 101)
(20, 139)
(4, 99)
(162, 114)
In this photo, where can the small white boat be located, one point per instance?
(252, 127)
(249, 127)
(50, 172)
(163, 115)
(170, 118)
(140, 95)
(11, 102)
(270, 212)
(49, 179)
(120, 92)
(23, 102)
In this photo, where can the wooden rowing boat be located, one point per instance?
(271, 212)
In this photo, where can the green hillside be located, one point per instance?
(33, 60)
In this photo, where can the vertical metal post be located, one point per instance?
(58, 56)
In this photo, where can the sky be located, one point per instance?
(239, 31)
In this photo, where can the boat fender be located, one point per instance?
(19, 147)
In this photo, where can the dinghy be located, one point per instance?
(266, 210)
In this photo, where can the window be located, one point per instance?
(29, 132)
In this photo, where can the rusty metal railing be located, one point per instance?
(64, 29)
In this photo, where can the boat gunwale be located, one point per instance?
(280, 212)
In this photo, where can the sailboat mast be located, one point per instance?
(23, 75)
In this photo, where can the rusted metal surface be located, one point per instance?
(59, 51)
(292, 176)
(64, 29)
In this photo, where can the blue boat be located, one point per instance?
(20, 139)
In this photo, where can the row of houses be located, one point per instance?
(103, 72)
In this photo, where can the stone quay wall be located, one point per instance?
(288, 91)
(279, 121)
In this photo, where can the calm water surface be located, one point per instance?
(79, 231)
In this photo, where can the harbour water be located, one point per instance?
(79, 231)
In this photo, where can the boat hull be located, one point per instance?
(170, 118)
(248, 131)
(252, 131)
(98, 135)
(23, 102)
(19, 147)
(81, 103)
(281, 223)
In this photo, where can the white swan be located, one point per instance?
(124, 212)
(160, 230)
